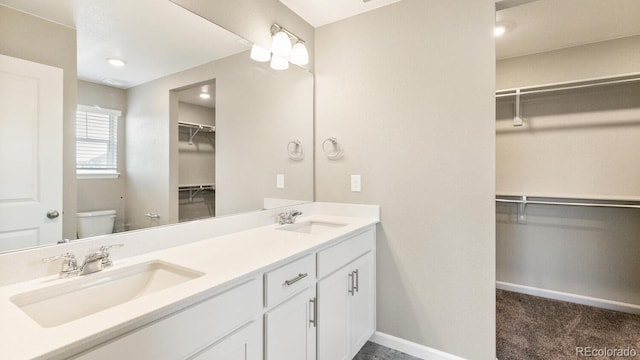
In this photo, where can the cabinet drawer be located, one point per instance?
(182, 334)
(286, 280)
(333, 258)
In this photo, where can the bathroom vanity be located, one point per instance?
(276, 292)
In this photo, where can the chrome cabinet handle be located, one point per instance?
(356, 287)
(296, 279)
(52, 214)
(351, 288)
(312, 302)
(152, 215)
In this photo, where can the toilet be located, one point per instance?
(93, 223)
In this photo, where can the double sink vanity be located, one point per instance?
(304, 290)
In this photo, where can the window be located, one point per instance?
(96, 141)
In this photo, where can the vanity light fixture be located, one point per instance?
(205, 96)
(116, 62)
(282, 53)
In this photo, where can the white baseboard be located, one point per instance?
(411, 348)
(574, 298)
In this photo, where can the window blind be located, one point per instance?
(96, 139)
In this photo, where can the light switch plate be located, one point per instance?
(356, 183)
(280, 181)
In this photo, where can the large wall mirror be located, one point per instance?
(186, 126)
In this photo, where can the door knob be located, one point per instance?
(52, 214)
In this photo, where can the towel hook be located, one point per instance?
(337, 152)
(295, 150)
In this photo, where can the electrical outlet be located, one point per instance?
(356, 183)
(280, 181)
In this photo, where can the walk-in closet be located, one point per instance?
(197, 151)
(568, 178)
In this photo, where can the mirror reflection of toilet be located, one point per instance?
(93, 223)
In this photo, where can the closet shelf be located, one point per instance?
(201, 127)
(194, 190)
(568, 85)
(518, 92)
(197, 187)
(523, 200)
(194, 129)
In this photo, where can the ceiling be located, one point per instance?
(322, 12)
(546, 25)
(154, 37)
(191, 95)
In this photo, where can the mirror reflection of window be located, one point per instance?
(96, 141)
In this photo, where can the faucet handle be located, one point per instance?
(69, 264)
(106, 255)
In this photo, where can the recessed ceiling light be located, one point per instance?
(205, 96)
(499, 30)
(116, 62)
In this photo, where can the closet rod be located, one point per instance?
(551, 89)
(565, 203)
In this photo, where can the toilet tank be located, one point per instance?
(93, 223)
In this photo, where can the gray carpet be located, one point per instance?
(530, 327)
(372, 351)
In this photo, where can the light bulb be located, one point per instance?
(205, 96)
(299, 54)
(279, 63)
(116, 62)
(281, 44)
(499, 30)
(258, 53)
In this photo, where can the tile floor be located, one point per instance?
(372, 351)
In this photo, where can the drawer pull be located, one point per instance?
(296, 279)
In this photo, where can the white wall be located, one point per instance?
(31, 38)
(105, 194)
(408, 90)
(602, 59)
(586, 251)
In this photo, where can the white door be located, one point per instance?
(30, 153)
(362, 312)
(290, 329)
(333, 304)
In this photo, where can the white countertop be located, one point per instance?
(224, 260)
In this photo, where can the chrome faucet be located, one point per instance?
(93, 262)
(288, 217)
(98, 260)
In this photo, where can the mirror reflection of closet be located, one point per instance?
(197, 151)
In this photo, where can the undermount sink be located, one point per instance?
(87, 295)
(311, 227)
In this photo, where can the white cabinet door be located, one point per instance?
(290, 329)
(30, 154)
(333, 303)
(346, 309)
(241, 345)
(362, 304)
